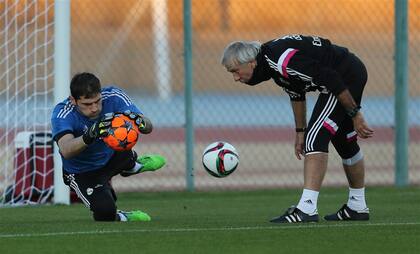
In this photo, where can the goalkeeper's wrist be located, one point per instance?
(87, 139)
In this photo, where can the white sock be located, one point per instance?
(308, 202)
(357, 200)
(135, 169)
(122, 216)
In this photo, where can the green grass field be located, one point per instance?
(217, 222)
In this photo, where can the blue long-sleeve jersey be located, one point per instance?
(67, 119)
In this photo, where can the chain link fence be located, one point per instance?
(138, 45)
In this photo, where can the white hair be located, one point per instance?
(239, 52)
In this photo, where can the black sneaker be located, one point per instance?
(294, 215)
(345, 213)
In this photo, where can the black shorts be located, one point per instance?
(94, 188)
(329, 120)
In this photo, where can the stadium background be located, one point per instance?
(117, 40)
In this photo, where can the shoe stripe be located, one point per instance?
(295, 216)
(346, 213)
(339, 216)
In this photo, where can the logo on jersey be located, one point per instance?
(89, 191)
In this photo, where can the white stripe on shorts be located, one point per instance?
(313, 131)
(75, 187)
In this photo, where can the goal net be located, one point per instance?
(26, 101)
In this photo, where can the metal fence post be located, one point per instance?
(189, 128)
(401, 93)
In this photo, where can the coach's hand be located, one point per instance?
(299, 142)
(142, 122)
(361, 127)
(98, 129)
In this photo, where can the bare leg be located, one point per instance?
(355, 174)
(315, 166)
(356, 177)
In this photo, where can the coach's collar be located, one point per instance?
(259, 73)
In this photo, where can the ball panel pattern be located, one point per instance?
(123, 133)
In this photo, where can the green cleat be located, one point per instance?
(134, 216)
(149, 163)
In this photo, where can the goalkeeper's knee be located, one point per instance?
(105, 210)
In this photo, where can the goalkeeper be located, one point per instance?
(300, 64)
(78, 123)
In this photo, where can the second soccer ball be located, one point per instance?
(220, 159)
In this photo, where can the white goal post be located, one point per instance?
(34, 75)
(61, 85)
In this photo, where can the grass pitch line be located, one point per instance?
(176, 230)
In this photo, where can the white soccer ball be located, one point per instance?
(220, 159)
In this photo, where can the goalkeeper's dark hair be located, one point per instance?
(84, 84)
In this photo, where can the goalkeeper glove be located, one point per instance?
(141, 122)
(98, 129)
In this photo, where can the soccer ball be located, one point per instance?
(220, 159)
(123, 133)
